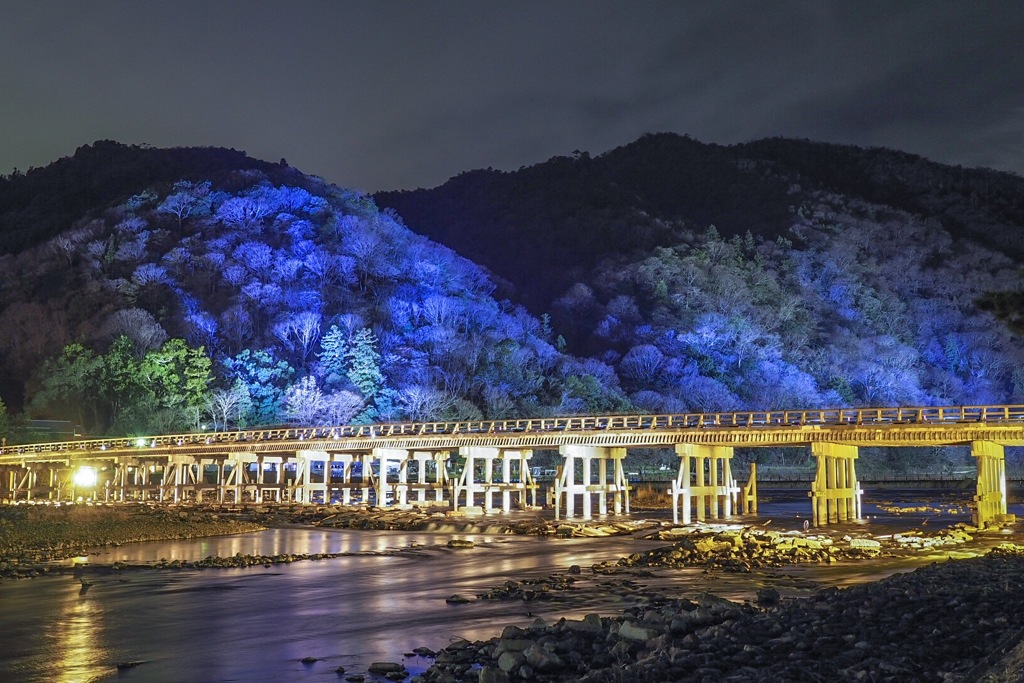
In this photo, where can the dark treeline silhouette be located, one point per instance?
(42, 202)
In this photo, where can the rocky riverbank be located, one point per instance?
(425, 519)
(952, 621)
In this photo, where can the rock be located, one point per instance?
(511, 661)
(767, 597)
(511, 645)
(512, 631)
(542, 659)
(490, 674)
(457, 599)
(590, 624)
(385, 668)
(460, 543)
(631, 631)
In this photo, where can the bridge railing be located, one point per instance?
(574, 424)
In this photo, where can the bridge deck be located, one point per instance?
(822, 430)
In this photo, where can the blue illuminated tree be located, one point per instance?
(303, 402)
(265, 378)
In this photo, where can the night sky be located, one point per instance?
(389, 95)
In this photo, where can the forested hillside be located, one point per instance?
(773, 274)
(201, 287)
(243, 301)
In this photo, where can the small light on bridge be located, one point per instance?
(85, 477)
(140, 442)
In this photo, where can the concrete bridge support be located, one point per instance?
(347, 460)
(511, 478)
(704, 478)
(516, 479)
(248, 477)
(835, 493)
(385, 457)
(991, 496)
(269, 483)
(431, 475)
(307, 484)
(609, 480)
(466, 486)
(238, 481)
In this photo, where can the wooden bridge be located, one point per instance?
(464, 465)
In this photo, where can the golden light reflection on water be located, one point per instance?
(78, 650)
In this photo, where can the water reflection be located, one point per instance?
(78, 652)
(257, 623)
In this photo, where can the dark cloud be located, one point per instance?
(388, 95)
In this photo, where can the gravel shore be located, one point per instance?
(959, 620)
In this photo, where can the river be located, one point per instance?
(377, 604)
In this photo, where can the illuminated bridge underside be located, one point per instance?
(286, 463)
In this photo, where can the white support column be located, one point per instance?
(586, 484)
(704, 477)
(402, 490)
(567, 485)
(467, 485)
(220, 482)
(384, 458)
(421, 477)
(367, 480)
(441, 476)
(305, 487)
(506, 478)
(489, 484)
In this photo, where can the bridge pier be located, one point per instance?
(384, 458)
(305, 488)
(347, 460)
(705, 477)
(512, 477)
(241, 480)
(991, 496)
(835, 493)
(609, 481)
(425, 461)
(21, 482)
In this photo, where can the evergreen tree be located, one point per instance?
(265, 378)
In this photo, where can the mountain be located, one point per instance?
(200, 286)
(776, 273)
(522, 224)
